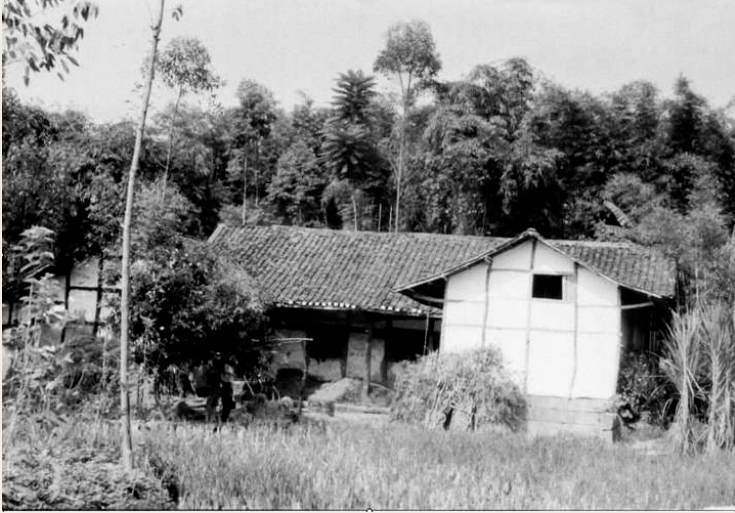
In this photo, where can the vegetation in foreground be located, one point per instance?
(74, 464)
(347, 466)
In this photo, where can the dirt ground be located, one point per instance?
(351, 417)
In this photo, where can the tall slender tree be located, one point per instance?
(127, 443)
(184, 66)
(350, 147)
(409, 56)
(254, 119)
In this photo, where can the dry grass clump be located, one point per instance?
(469, 391)
(700, 362)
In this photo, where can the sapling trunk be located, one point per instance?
(169, 152)
(126, 443)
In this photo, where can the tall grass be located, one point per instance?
(718, 328)
(700, 362)
(56, 464)
(400, 466)
(684, 367)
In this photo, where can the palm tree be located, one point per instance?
(350, 148)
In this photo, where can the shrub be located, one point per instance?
(643, 386)
(73, 464)
(471, 390)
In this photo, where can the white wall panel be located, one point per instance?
(599, 319)
(509, 284)
(552, 314)
(512, 344)
(460, 338)
(550, 364)
(468, 284)
(518, 257)
(507, 313)
(597, 366)
(462, 313)
(82, 303)
(548, 261)
(595, 290)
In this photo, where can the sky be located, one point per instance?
(302, 45)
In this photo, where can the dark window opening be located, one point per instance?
(406, 344)
(547, 286)
(328, 342)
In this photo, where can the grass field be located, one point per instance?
(351, 466)
(348, 465)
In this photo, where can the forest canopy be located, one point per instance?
(494, 153)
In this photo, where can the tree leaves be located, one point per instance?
(24, 35)
(410, 53)
(185, 64)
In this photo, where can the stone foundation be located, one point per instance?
(551, 416)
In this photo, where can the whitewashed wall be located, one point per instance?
(292, 356)
(562, 348)
(82, 303)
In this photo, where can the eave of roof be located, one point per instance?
(530, 233)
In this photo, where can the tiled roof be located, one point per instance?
(323, 268)
(628, 264)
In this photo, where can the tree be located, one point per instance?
(57, 175)
(253, 121)
(297, 187)
(25, 36)
(350, 148)
(198, 161)
(686, 118)
(193, 310)
(184, 66)
(307, 123)
(127, 445)
(410, 56)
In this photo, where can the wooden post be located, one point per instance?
(305, 374)
(529, 298)
(575, 348)
(387, 351)
(346, 346)
(486, 306)
(426, 334)
(368, 359)
(98, 300)
(432, 334)
(67, 290)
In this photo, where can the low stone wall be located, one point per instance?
(550, 416)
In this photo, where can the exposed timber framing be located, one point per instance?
(529, 302)
(575, 336)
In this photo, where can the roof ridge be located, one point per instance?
(371, 233)
(347, 233)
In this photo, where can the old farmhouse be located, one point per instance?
(562, 312)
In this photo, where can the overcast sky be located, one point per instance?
(292, 45)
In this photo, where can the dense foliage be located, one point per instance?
(492, 154)
(187, 310)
